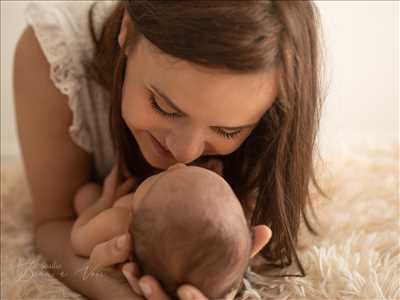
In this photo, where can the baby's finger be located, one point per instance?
(132, 273)
(126, 172)
(151, 289)
(189, 292)
(110, 183)
(126, 187)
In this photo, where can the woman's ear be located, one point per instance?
(123, 32)
(261, 236)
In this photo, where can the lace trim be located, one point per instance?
(102, 10)
(65, 72)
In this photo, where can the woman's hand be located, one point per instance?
(116, 286)
(116, 252)
(149, 287)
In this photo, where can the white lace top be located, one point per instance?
(62, 29)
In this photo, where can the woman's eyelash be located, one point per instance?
(228, 135)
(157, 108)
(160, 110)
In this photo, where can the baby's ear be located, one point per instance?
(261, 236)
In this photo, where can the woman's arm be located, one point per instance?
(55, 169)
(52, 241)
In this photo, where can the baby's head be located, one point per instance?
(189, 227)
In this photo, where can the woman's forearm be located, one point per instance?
(52, 240)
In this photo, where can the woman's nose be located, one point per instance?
(186, 145)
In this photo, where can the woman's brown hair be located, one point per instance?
(272, 171)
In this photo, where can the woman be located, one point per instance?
(179, 82)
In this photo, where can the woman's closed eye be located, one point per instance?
(160, 110)
(173, 115)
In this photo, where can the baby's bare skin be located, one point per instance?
(100, 220)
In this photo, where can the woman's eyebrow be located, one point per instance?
(174, 106)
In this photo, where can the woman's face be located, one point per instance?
(178, 112)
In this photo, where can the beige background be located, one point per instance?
(362, 45)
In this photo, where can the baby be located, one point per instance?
(187, 226)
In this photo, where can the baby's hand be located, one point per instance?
(113, 189)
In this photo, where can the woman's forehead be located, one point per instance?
(224, 100)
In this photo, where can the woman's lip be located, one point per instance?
(166, 152)
(161, 145)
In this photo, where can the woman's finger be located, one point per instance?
(132, 268)
(189, 292)
(131, 272)
(151, 289)
(110, 252)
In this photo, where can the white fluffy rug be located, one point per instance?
(356, 257)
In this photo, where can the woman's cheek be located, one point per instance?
(139, 115)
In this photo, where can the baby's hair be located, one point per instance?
(200, 252)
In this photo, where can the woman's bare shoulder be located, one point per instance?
(55, 166)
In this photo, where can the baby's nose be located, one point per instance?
(177, 165)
